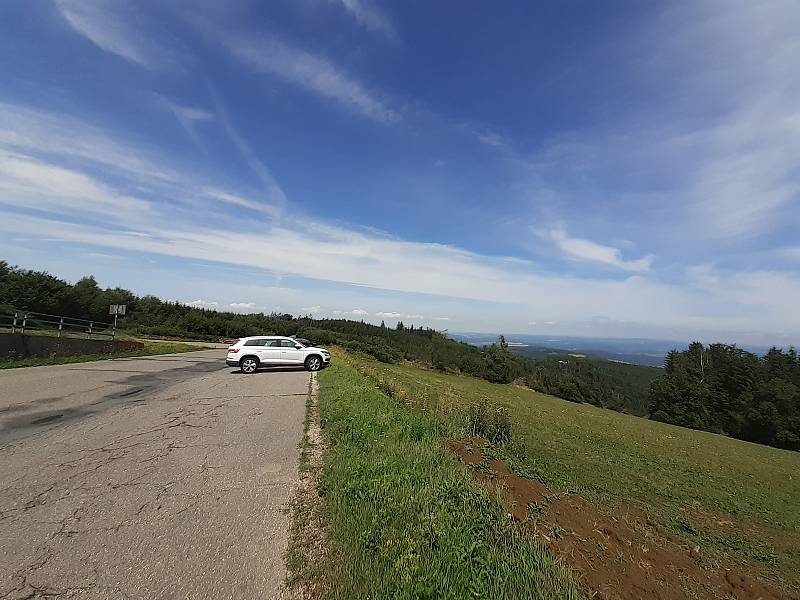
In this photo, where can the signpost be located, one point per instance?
(116, 310)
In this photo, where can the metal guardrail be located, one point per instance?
(21, 321)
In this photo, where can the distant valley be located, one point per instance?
(635, 351)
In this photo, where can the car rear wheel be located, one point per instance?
(249, 365)
(313, 363)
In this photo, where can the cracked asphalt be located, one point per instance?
(155, 477)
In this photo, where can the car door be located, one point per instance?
(270, 352)
(290, 355)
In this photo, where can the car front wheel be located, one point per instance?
(313, 363)
(249, 365)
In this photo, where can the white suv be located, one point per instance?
(250, 353)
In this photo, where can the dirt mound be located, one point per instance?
(617, 555)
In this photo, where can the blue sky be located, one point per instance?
(603, 169)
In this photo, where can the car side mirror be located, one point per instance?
(298, 346)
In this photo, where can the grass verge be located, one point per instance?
(150, 349)
(405, 519)
(308, 550)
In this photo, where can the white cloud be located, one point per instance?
(588, 251)
(370, 16)
(711, 152)
(202, 304)
(52, 140)
(104, 24)
(792, 252)
(364, 261)
(311, 310)
(273, 189)
(358, 312)
(764, 301)
(26, 130)
(389, 315)
(236, 200)
(531, 322)
(242, 305)
(27, 182)
(268, 54)
(549, 323)
(103, 256)
(187, 116)
(494, 139)
(441, 318)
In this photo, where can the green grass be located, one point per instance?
(150, 349)
(406, 519)
(611, 458)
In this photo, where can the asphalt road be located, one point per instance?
(156, 477)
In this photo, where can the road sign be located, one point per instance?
(117, 309)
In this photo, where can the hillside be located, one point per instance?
(633, 508)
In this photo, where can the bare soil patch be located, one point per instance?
(619, 554)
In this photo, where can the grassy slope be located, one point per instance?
(406, 519)
(150, 349)
(611, 458)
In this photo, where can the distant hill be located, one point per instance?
(640, 351)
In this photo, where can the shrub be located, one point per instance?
(490, 422)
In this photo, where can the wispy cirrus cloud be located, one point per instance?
(713, 151)
(240, 202)
(187, 116)
(66, 153)
(29, 130)
(270, 55)
(309, 248)
(109, 26)
(589, 251)
(26, 181)
(273, 189)
(370, 16)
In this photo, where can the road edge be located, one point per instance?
(308, 551)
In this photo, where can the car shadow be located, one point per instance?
(262, 370)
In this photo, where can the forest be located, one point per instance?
(725, 389)
(719, 388)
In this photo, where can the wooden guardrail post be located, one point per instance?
(60, 326)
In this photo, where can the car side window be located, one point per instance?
(254, 342)
(272, 343)
(287, 343)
